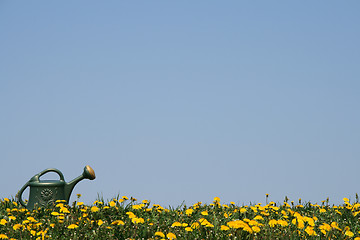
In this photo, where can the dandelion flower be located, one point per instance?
(160, 234)
(137, 220)
(3, 221)
(189, 211)
(94, 209)
(256, 229)
(195, 225)
(349, 233)
(3, 236)
(176, 224)
(100, 222)
(72, 226)
(310, 230)
(112, 204)
(205, 213)
(272, 222)
(224, 228)
(117, 222)
(188, 229)
(170, 236)
(17, 226)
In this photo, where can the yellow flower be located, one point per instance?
(205, 213)
(145, 201)
(64, 210)
(118, 222)
(188, 229)
(160, 234)
(346, 199)
(31, 219)
(216, 199)
(3, 236)
(195, 225)
(78, 195)
(335, 225)
(25, 222)
(124, 197)
(3, 221)
(224, 228)
(272, 222)
(258, 217)
(237, 224)
(137, 220)
(112, 204)
(17, 226)
(12, 217)
(349, 233)
(322, 210)
(176, 224)
(242, 210)
(310, 230)
(170, 236)
(189, 211)
(100, 222)
(6, 200)
(94, 209)
(72, 226)
(325, 227)
(136, 207)
(205, 222)
(131, 214)
(256, 229)
(80, 203)
(282, 223)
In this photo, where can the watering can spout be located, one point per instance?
(87, 174)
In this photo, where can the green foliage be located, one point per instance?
(123, 218)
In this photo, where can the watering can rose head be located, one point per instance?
(46, 192)
(89, 173)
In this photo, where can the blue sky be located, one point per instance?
(183, 101)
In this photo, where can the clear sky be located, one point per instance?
(177, 101)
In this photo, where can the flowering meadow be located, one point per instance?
(124, 218)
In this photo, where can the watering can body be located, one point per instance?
(44, 193)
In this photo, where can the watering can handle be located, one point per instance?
(36, 178)
(52, 170)
(19, 195)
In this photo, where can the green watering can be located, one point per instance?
(46, 192)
